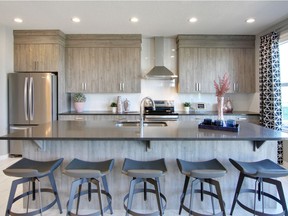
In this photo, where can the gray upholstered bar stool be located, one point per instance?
(262, 171)
(90, 173)
(144, 171)
(31, 171)
(203, 171)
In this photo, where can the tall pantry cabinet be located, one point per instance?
(42, 51)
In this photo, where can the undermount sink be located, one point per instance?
(137, 124)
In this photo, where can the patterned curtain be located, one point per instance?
(270, 86)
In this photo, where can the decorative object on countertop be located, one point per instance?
(187, 106)
(119, 104)
(228, 108)
(126, 105)
(229, 125)
(79, 99)
(113, 105)
(221, 88)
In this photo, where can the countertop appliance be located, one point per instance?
(32, 101)
(164, 111)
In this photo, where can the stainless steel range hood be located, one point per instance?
(160, 71)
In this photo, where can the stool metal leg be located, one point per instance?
(159, 189)
(133, 182)
(157, 194)
(193, 184)
(14, 185)
(183, 195)
(28, 197)
(219, 194)
(98, 185)
(212, 200)
(105, 185)
(40, 195)
(75, 184)
(54, 187)
(239, 184)
(279, 187)
(78, 195)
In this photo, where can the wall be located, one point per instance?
(159, 89)
(6, 66)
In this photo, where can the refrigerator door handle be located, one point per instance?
(31, 99)
(26, 98)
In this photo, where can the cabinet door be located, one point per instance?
(36, 57)
(103, 70)
(198, 68)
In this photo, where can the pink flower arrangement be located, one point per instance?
(223, 86)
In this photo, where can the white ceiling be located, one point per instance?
(156, 18)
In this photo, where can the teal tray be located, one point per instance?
(236, 128)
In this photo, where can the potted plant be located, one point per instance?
(187, 106)
(114, 107)
(79, 99)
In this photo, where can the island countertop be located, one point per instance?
(107, 130)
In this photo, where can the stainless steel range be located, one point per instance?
(164, 111)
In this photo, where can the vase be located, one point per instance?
(114, 109)
(79, 106)
(220, 105)
(187, 109)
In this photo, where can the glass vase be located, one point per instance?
(220, 105)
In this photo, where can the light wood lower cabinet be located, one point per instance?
(114, 117)
(238, 118)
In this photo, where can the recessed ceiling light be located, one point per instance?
(250, 20)
(18, 20)
(76, 19)
(193, 20)
(134, 19)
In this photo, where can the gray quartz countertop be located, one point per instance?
(107, 130)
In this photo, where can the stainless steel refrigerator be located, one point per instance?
(32, 101)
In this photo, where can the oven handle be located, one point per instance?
(162, 117)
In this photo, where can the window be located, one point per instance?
(284, 81)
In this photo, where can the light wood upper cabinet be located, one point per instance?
(103, 64)
(42, 51)
(204, 58)
(38, 50)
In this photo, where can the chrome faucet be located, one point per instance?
(142, 109)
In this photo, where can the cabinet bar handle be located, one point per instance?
(199, 86)
(123, 86)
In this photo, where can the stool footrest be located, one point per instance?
(107, 207)
(38, 211)
(199, 214)
(156, 213)
(251, 210)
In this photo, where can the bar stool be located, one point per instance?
(203, 171)
(89, 172)
(261, 171)
(31, 171)
(144, 171)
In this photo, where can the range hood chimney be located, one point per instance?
(160, 71)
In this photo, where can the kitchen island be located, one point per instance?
(101, 140)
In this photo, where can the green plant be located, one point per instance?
(113, 104)
(187, 104)
(79, 97)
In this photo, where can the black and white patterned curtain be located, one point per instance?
(270, 86)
